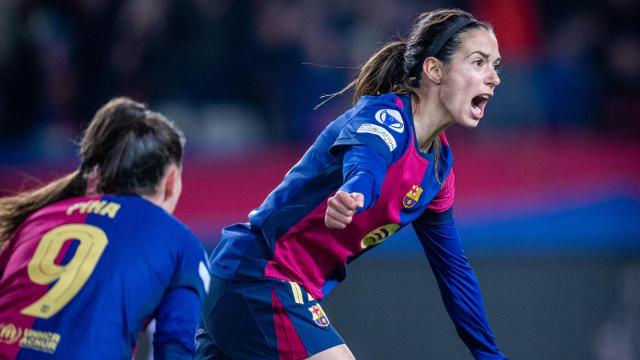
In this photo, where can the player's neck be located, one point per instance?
(430, 118)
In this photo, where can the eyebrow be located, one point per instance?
(484, 55)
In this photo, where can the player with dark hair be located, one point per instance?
(89, 258)
(380, 166)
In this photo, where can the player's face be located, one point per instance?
(471, 77)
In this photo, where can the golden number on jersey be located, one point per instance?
(72, 276)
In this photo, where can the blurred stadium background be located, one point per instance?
(548, 195)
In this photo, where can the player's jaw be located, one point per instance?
(467, 108)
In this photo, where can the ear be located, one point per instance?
(168, 192)
(432, 68)
(171, 179)
(93, 179)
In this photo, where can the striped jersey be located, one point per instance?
(79, 278)
(286, 237)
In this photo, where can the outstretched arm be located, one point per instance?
(458, 285)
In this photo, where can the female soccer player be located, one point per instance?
(380, 166)
(87, 259)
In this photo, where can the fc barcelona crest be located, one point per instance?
(412, 196)
(318, 315)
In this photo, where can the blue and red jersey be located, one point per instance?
(287, 238)
(372, 149)
(81, 277)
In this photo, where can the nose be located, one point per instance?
(493, 79)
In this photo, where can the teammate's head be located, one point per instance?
(127, 149)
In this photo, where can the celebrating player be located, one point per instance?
(380, 166)
(89, 258)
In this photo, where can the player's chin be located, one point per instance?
(469, 122)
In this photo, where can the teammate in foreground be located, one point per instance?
(88, 258)
(382, 165)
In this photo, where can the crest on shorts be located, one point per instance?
(412, 196)
(318, 315)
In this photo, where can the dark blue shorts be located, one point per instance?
(262, 319)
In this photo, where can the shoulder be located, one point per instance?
(387, 110)
(140, 212)
(378, 121)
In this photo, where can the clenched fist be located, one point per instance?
(340, 209)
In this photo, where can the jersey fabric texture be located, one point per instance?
(79, 279)
(370, 149)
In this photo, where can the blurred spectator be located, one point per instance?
(621, 47)
(517, 22)
(265, 64)
(568, 75)
(19, 74)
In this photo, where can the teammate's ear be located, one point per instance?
(170, 188)
(171, 179)
(432, 68)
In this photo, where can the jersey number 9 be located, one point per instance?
(70, 277)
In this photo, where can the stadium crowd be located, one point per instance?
(236, 73)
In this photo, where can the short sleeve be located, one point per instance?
(377, 125)
(192, 268)
(443, 200)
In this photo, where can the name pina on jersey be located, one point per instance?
(100, 207)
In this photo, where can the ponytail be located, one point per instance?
(382, 73)
(17, 208)
(125, 150)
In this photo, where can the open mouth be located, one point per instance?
(478, 103)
